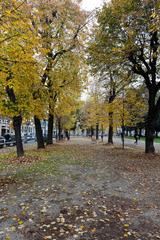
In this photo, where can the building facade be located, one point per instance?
(28, 128)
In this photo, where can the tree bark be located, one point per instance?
(150, 123)
(39, 133)
(97, 131)
(149, 143)
(140, 133)
(67, 133)
(59, 129)
(149, 134)
(50, 129)
(92, 132)
(110, 132)
(17, 122)
(136, 131)
(112, 96)
(122, 137)
(102, 134)
(127, 132)
(87, 132)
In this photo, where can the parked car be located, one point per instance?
(27, 138)
(9, 140)
(2, 142)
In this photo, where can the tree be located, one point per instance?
(130, 107)
(18, 67)
(111, 79)
(67, 80)
(68, 87)
(60, 25)
(108, 73)
(95, 110)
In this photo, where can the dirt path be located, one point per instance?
(82, 191)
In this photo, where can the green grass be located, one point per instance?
(75, 177)
(49, 164)
(3, 158)
(157, 140)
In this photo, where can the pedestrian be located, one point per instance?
(61, 136)
(102, 136)
(136, 138)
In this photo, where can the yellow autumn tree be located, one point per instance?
(96, 112)
(130, 107)
(69, 82)
(60, 24)
(19, 68)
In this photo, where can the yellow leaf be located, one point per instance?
(93, 230)
(82, 227)
(125, 235)
(126, 225)
(20, 222)
(7, 238)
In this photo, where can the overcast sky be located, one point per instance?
(91, 4)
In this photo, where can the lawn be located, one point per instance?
(157, 140)
(80, 191)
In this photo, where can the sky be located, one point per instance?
(89, 5)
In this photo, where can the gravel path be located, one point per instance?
(96, 192)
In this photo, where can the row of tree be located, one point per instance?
(124, 52)
(129, 108)
(42, 70)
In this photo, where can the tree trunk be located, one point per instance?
(92, 132)
(127, 132)
(140, 133)
(17, 122)
(67, 135)
(136, 131)
(102, 134)
(150, 123)
(122, 137)
(39, 133)
(110, 114)
(50, 129)
(97, 131)
(110, 133)
(56, 133)
(87, 132)
(149, 143)
(59, 129)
